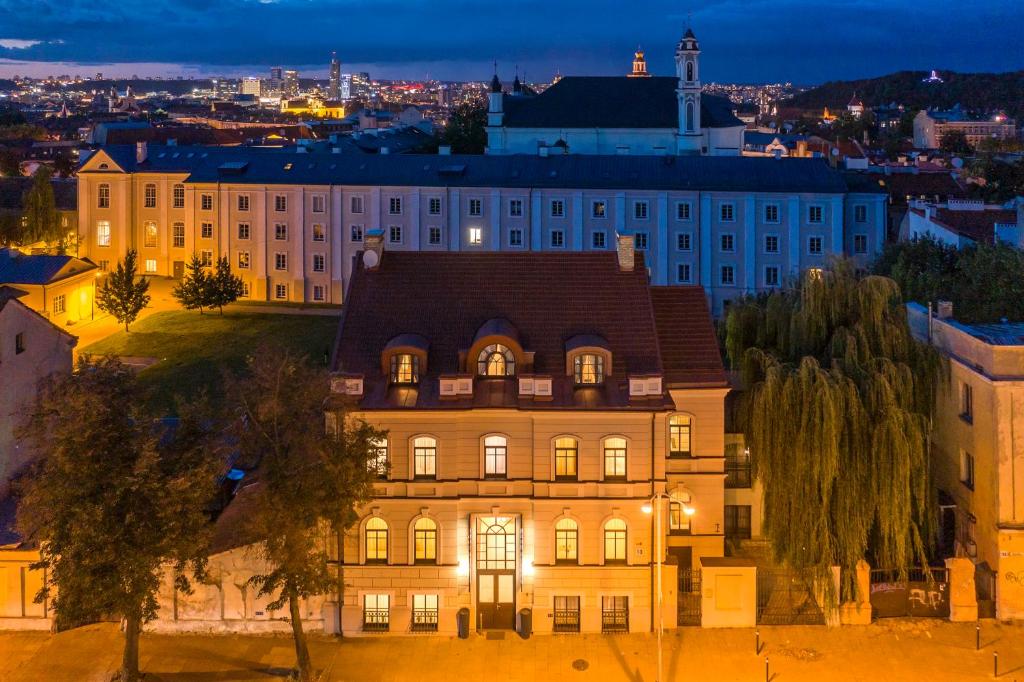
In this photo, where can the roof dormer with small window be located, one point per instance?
(496, 351)
(588, 360)
(404, 359)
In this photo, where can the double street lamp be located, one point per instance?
(654, 506)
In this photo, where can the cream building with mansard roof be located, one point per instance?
(534, 403)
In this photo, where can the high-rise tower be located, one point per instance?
(334, 86)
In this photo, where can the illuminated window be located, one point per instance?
(376, 612)
(615, 541)
(615, 459)
(588, 368)
(405, 368)
(425, 538)
(566, 614)
(424, 455)
(102, 232)
(150, 234)
(598, 209)
(103, 196)
(378, 462)
(566, 457)
(679, 426)
(149, 196)
(178, 235)
(475, 236)
(424, 613)
(243, 260)
(376, 541)
(678, 519)
(150, 265)
(495, 457)
(566, 541)
(496, 360)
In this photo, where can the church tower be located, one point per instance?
(639, 65)
(688, 94)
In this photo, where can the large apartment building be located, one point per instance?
(290, 222)
(534, 404)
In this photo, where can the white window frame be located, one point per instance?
(475, 207)
(721, 275)
(319, 293)
(395, 206)
(810, 214)
(604, 209)
(560, 204)
(281, 261)
(821, 241)
(430, 235)
(778, 214)
(353, 230)
(604, 239)
(243, 202)
(731, 236)
(392, 231)
(641, 209)
(778, 276)
(476, 236)
(102, 233)
(355, 204)
(689, 273)
(280, 292)
(689, 211)
(515, 208)
(318, 203)
(319, 233)
(561, 238)
(778, 243)
(515, 244)
(431, 202)
(731, 206)
(319, 262)
(280, 203)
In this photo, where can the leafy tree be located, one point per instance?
(999, 181)
(955, 142)
(923, 268)
(10, 163)
(120, 295)
(224, 287)
(466, 129)
(989, 284)
(42, 223)
(115, 500)
(836, 414)
(317, 477)
(194, 290)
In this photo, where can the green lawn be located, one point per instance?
(192, 350)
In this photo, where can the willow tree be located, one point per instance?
(837, 414)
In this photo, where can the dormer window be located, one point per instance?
(588, 369)
(405, 369)
(496, 360)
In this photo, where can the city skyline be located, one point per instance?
(790, 40)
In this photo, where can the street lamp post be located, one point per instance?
(654, 506)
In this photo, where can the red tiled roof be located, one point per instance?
(686, 336)
(976, 225)
(548, 297)
(942, 185)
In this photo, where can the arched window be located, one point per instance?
(679, 428)
(566, 541)
(424, 456)
(615, 459)
(566, 458)
(178, 196)
(405, 368)
(495, 457)
(689, 71)
(496, 360)
(588, 369)
(425, 532)
(376, 541)
(615, 541)
(689, 117)
(378, 461)
(679, 513)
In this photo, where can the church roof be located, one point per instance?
(612, 102)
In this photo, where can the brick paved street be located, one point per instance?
(892, 650)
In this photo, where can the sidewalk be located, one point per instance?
(890, 650)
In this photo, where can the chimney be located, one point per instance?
(373, 248)
(141, 152)
(625, 249)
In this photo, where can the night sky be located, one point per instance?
(743, 40)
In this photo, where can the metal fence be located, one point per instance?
(689, 596)
(787, 597)
(615, 620)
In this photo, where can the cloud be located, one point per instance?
(18, 43)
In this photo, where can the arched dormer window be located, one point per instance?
(588, 369)
(405, 368)
(376, 541)
(496, 360)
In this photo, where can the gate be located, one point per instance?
(786, 597)
(985, 589)
(922, 593)
(689, 596)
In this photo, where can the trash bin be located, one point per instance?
(525, 623)
(462, 618)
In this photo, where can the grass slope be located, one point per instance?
(192, 350)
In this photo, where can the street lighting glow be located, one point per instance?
(463, 570)
(647, 509)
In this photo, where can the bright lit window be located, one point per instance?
(566, 458)
(425, 538)
(615, 541)
(376, 540)
(679, 426)
(615, 458)
(495, 457)
(588, 368)
(566, 541)
(424, 455)
(496, 360)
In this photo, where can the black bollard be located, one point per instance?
(757, 641)
(767, 678)
(995, 664)
(977, 637)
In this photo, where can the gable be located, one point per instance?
(101, 162)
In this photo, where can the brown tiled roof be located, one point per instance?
(689, 349)
(902, 185)
(548, 297)
(231, 529)
(976, 225)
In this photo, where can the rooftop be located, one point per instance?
(20, 268)
(678, 173)
(612, 102)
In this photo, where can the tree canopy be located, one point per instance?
(466, 129)
(122, 296)
(116, 498)
(836, 415)
(318, 477)
(41, 220)
(985, 283)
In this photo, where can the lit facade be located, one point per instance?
(931, 126)
(290, 223)
(525, 437)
